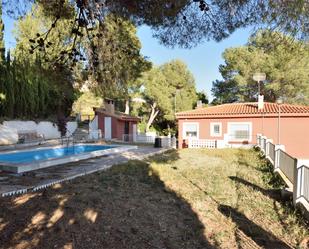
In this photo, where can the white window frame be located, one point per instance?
(212, 132)
(241, 123)
(184, 130)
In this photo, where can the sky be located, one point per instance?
(203, 60)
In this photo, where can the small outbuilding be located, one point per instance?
(114, 124)
(239, 124)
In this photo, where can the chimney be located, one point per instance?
(261, 102)
(199, 104)
(109, 106)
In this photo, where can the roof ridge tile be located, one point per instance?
(246, 108)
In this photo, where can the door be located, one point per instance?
(126, 131)
(108, 128)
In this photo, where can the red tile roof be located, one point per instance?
(116, 114)
(245, 110)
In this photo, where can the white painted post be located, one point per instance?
(226, 139)
(258, 139)
(189, 143)
(134, 133)
(298, 188)
(277, 154)
(267, 146)
(262, 146)
(297, 181)
(108, 128)
(174, 142)
(221, 144)
(169, 140)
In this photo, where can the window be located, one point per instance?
(215, 129)
(190, 130)
(240, 131)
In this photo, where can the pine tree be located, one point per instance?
(2, 47)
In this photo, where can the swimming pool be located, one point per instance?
(28, 160)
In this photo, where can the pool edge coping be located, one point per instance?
(53, 182)
(26, 167)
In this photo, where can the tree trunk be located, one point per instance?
(152, 117)
(127, 110)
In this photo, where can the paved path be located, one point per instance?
(11, 184)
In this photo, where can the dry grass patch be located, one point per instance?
(186, 199)
(236, 196)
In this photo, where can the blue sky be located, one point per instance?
(203, 60)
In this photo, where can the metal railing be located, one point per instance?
(166, 141)
(287, 164)
(141, 138)
(138, 138)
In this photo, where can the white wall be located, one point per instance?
(9, 130)
(48, 129)
(94, 124)
(8, 135)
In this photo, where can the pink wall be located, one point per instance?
(117, 126)
(294, 131)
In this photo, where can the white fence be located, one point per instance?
(295, 172)
(166, 141)
(143, 138)
(208, 143)
(202, 143)
(139, 138)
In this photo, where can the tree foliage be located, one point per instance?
(120, 63)
(30, 88)
(169, 84)
(284, 61)
(180, 22)
(202, 96)
(85, 103)
(2, 47)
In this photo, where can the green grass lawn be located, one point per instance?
(181, 199)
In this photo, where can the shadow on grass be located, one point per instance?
(260, 236)
(127, 206)
(264, 166)
(272, 193)
(286, 205)
(167, 157)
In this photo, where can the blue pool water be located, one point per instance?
(44, 154)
